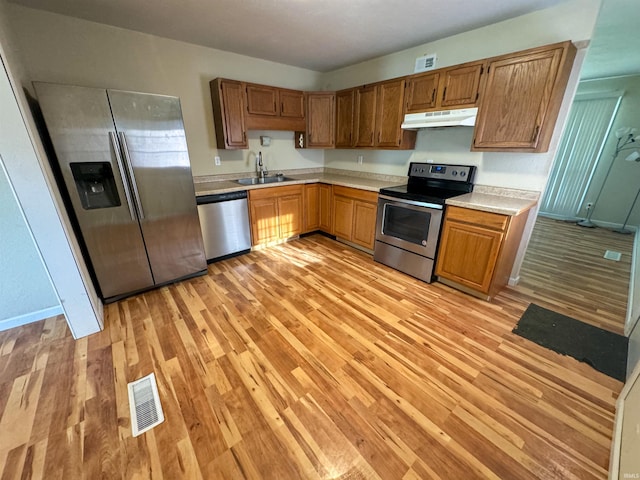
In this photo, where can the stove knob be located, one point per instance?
(463, 174)
(454, 173)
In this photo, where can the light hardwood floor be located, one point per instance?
(303, 361)
(564, 270)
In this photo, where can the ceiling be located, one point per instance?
(320, 35)
(615, 47)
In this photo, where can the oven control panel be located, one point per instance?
(459, 173)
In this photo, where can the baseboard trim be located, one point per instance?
(30, 317)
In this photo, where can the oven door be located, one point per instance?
(412, 226)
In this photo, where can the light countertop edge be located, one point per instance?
(502, 204)
(225, 186)
(488, 199)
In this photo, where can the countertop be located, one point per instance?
(486, 198)
(496, 200)
(363, 183)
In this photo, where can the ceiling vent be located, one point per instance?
(428, 62)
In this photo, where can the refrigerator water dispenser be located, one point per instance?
(96, 185)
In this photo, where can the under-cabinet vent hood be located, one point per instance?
(465, 117)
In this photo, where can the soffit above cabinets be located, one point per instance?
(316, 35)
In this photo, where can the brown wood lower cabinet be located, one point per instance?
(276, 213)
(478, 249)
(354, 215)
(311, 207)
(325, 195)
(317, 208)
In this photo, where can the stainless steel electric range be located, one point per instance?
(410, 216)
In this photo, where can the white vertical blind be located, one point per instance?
(578, 154)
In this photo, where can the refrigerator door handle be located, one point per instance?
(134, 185)
(123, 176)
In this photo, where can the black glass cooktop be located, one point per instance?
(436, 196)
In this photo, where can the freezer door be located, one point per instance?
(152, 135)
(81, 128)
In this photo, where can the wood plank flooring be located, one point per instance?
(303, 361)
(564, 270)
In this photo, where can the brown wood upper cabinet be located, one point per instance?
(273, 108)
(370, 117)
(365, 116)
(345, 106)
(321, 119)
(447, 88)
(521, 99)
(227, 98)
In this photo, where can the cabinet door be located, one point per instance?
(342, 217)
(461, 86)
(422, 92)
(345, 107)
(389, 115)
(262, 100)
(325, 193)
(311, 207)
(264, 220)
(365, 116)
(320, 120)
(227, 97)
(290, 215)
(468, 254)
(515, 101)
(364, 223)
(291, 103)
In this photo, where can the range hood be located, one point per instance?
(465, 117)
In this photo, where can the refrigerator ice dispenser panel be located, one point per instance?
(96, 185)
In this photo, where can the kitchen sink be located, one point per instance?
(259, 181)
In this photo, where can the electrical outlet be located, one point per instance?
(360, 158)
(217, 160)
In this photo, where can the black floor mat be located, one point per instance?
(603, 350)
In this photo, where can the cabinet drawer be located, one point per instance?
(494, 221)
(364, 195)
(270, 192)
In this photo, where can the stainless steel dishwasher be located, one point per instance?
(224, 219)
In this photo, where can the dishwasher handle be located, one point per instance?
(221, 197)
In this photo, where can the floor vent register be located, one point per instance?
(611, 255)
(144, 405)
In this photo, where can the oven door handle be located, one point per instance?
(412, 202)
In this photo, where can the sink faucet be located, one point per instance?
(262, 172)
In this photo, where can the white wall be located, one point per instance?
(22, 158)
(624, 180)
(62, 49)
(27, 293)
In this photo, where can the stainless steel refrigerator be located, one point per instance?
(123, 157)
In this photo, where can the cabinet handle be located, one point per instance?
(282, 107)
(379, 136)
(433, 95)
(444, 93)
(536, 132)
